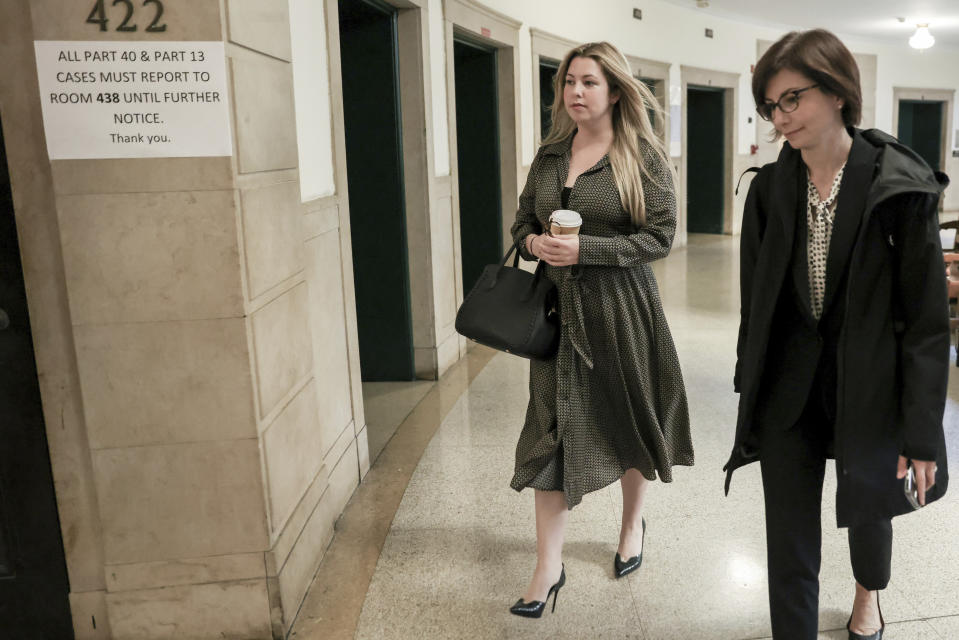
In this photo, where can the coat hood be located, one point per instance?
(900, 169)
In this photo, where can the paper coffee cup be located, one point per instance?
(564, 222)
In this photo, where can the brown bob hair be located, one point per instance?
(824, 59)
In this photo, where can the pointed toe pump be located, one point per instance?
(534, 609)
(874, 636)
(625, 567)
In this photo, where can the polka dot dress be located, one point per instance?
(820, 216)
(613, 397)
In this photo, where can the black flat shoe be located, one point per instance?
(625, 567)
(875, 636)
(535, 608)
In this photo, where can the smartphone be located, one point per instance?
(910, 489)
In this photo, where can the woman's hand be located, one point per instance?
(925, 475)
(556, 251)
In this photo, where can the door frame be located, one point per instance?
(930, 95)
(468, 40)
(404, 22)
(416, 140)
(658, 71)
(707, 95)
(472, 20)
(417, 153)
(729, 82)
(424, 194)
(551, 47)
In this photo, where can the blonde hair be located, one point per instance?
(631, 123)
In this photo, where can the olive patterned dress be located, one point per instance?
(612, 398)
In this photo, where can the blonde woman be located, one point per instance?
(611, 404)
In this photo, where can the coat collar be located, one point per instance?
(786, 201)
(562, 148)
(558, 148)
(857, 180)
(863, 157)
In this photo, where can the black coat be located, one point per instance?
(892, 356)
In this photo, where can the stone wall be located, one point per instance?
(196, 344)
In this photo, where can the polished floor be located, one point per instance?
(387, 404)
(448, 558)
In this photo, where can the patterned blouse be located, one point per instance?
(820, 215)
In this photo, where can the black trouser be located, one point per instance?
(793, 464)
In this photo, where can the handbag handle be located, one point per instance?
(515, 251)
(514, 247)
(537, 274)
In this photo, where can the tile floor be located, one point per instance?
(461, 545)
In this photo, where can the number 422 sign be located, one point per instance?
(99, 16)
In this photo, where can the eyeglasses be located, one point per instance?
(787, 103)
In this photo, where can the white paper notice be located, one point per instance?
(134, 99)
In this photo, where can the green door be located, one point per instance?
(374, 160)
(705, 165)
(920, 127)
(477, 154)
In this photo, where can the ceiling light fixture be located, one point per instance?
(702, 4)
(922, 39)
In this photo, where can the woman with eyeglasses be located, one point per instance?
(844, 337)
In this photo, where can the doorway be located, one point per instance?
(33, 577)
(373, 126)
(547, 71)
(705, 164)
(920, 128)
(478, 157)
(374, 160)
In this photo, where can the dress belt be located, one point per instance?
(571, 313)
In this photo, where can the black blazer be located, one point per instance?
(890, 386)
(800, 347)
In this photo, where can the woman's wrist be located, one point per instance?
(529, 243)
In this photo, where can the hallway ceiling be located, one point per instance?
(869, 19)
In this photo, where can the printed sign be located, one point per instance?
(134, 99)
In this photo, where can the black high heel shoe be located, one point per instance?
(535, 608)
(875, 636)
(625, 567)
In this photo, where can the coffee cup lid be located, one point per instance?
(566, 218)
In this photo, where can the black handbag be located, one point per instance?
(512, 310)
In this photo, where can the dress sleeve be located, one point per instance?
(650, 242)
(921, 288)
(526, 221)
